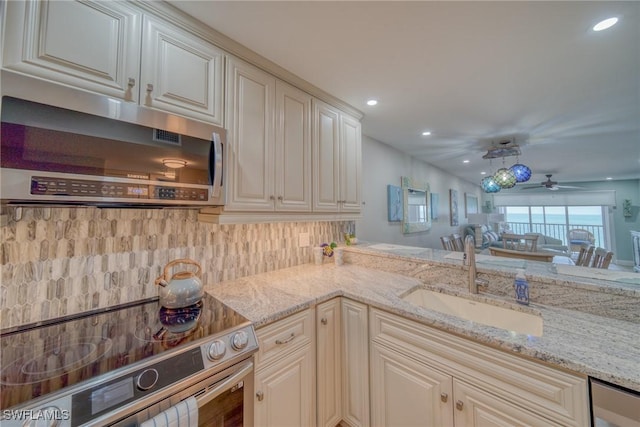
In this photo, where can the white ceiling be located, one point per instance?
(470, 72)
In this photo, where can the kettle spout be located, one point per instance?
(161, 282)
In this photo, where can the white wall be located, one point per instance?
(383, 165)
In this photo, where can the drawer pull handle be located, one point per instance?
(260, 396)
(291, 337)
(324, 321)
(459, 405)
(444, 397)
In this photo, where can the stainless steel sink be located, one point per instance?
(476, 311)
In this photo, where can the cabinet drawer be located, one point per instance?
(555, 394)
(283, 336)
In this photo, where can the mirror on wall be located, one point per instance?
(415, 196)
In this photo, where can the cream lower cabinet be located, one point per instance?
(285, 373)
(342, 363)
(329, 362)
(355, 363)
(421, 376)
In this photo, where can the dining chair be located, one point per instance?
(584, 256)
(578, 236)
(601, 258)
(520, 242)
(447, 243)
(458, 244)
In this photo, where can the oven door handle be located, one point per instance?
(223, 386)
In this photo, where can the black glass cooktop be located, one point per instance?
(40, 360)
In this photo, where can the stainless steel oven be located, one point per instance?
(224, 399)
(124, 366)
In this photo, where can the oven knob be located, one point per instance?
(239, 340)
(217, 349)
(147, 379)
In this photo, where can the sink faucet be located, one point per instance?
(470, 260)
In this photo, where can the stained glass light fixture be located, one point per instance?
(521, 172)
(489, 185)
(505, 177)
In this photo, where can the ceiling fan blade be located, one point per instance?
(567, 186)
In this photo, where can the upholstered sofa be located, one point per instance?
(491, 238)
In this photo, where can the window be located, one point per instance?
(556, 221)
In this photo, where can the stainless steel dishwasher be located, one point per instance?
(613, 406)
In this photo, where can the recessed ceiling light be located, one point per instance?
(609, 178)
(603, 25)
(465, 161)
(372, 102)
(426, 133)
(483, 173)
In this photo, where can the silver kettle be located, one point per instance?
(182, 289)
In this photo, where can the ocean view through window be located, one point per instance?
(556, 221)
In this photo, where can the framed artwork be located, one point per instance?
(453, 206)
(394, 203)
(434, 206)
(470, 204)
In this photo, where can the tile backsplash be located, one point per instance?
(58, 261)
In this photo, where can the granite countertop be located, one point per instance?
(601, 347)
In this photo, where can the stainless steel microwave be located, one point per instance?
(57, 156)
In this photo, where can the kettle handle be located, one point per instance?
(181, 261)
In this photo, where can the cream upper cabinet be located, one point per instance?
(329, 363)
(292, 171)
(285, 373)
(90, 45)
(250, 111)
(269, 142)
(350, 164)
(337, 160)
(181, 73)
(116, 49)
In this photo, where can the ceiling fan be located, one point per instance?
(550, 185)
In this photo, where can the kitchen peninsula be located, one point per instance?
(601, 346)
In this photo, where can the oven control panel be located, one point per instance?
(97, 400)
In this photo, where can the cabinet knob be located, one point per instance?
(131, 83)
(324, 321)
(260, 396)
(271, 197)
(444, 397)
(459, 405)
(280, 198)
(149, 88)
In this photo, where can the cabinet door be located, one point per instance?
(284, 391)
(292, 149)
(326, 157)
(181, 73)
(328, 362)
(350, 164)
(407, 393)
(355, 364)
(90, 45)
(250, 117)
(476, 407)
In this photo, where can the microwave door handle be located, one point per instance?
(215, 158)
(224, 385)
